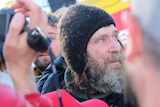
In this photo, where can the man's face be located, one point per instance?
(52, 30)
(105, 60)
(43, 59)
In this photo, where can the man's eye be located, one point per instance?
(101, 40)
(115, 37)
(51, 38)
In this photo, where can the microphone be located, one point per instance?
(69, 101)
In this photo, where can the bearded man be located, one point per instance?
(94, 56)
(43, 59)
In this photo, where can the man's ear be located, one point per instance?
(134, 46)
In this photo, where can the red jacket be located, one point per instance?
(11, 98)
(69, 101)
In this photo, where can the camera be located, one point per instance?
(6, 15)
(36, 38)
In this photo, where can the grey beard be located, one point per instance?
(106, 79)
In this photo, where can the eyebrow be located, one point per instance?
(52, 33)
(115, 31)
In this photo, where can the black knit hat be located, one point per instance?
(77, 26)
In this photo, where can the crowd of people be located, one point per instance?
(85, 64)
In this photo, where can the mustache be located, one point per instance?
(115, 57)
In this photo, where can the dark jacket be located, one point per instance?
(50, 81)
(112, 99)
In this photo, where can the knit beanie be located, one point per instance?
(76, 27)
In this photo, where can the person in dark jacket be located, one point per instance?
(46, 81)
(43, 59)
(93, 54)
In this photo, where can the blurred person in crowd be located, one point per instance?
(143, 54)
(94, 56)
(4, 75)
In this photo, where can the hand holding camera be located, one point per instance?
(18, 53)
(36, 38)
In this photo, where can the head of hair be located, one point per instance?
(76, 27)
(52, 20)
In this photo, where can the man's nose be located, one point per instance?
(115, 47)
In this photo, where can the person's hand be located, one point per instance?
(17, 53)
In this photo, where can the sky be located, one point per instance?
(2, 3)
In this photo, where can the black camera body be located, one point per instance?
(37, 41)
(6, 15)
